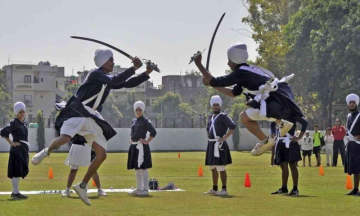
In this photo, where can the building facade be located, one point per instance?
(38, 86)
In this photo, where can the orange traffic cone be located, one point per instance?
(348, 182)
(321, 171)
(51, 174)
(200, 171)
(179, 155)
(247, 180)
(93, 183)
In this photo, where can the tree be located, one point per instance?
(267, 19)
(5, 98)
(172, 106)
(40, 131)
(235, 113)
(324, 46)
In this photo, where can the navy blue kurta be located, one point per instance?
(280, 104)
(18, 165)
(222, 124)
(352, 158)
(139, 128)
(92, 86)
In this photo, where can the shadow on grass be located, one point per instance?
(145, 197)
(300, 196)
(94, 197)
(13, 200)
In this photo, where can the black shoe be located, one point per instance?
(294, 192)
(333, 165)
(281, 191)
(354, 192)
(18, 196)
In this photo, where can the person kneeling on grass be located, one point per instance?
(80, 154)
(139, 155)
(287, 154)
(219, 128)
(18, 166)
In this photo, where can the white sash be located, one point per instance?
(350, 136)
(286, 139)
(217, 144)
(140, 147)
(26, 142)
(98, 96)
(264, 90)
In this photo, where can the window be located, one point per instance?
(147, 102)
(27, 99)
(27, 79)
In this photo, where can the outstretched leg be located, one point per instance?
(56, 143)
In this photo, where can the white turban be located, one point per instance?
(102, 55)
(237, 53)
(139, 104)
(352, 97)
(215, 100)
(18, 106)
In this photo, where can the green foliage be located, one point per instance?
(324, 41)
(5, 98)
(172, 106)
(40, 138)
(318, 41)
(235, 113)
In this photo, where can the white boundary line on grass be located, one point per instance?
(88, 191)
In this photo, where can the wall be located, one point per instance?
(167, 139)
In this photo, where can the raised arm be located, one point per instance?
(223, 81)
(135, 81)
(114, 80)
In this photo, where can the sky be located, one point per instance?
(168, 32)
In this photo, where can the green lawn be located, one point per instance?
(319, 195)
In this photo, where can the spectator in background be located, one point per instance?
(317, 144)
(306, 147)
(329, 140)
(339, 133)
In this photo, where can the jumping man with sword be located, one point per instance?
(81, 114)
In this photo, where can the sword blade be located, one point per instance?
(105, 44)
(212, 42)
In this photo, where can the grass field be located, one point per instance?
(319, 195)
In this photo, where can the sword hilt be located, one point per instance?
(196, 55)
(151, 65)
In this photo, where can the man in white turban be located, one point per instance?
(269, 99)
(352, 158)
(219, 128)
(81, 115)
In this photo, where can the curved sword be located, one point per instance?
(105, 44)
(147, 62)
(212, 41)
(210, 47)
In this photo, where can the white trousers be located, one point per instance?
(329, 153)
